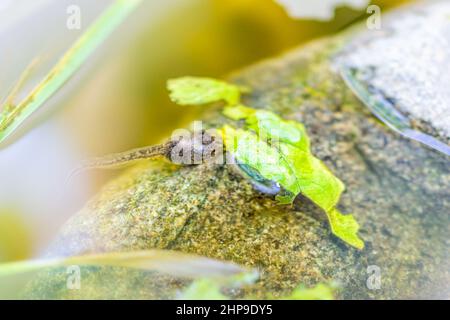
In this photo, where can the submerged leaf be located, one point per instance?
(13, 116)
(319, 292)
(210, 288)
(203, 289)
(279, 150)
(197, 91)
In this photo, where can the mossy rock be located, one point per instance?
(397, 189)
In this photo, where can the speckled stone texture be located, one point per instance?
(398, 190)
(407, 59)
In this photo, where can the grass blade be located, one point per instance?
(15, 276)
(164, 261)
(67, 66)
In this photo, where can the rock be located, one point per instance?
(401, 65)
(397, 189)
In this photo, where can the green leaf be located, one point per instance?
(238, 112)
(345, 227)
(210, 288)
(12, 117)
(248, 149)
(279, 150)
(198, 91)
(203, 289)
(319, 292)
(275, 149)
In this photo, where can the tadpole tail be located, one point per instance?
(115, 160)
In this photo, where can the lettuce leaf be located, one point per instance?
(319, 292)
(280, 151)
(276, 149)
(198, 91)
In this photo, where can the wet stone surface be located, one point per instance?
(409, 73)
